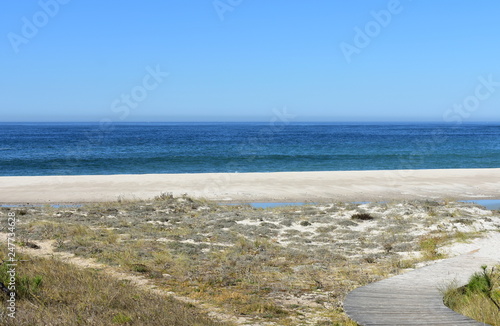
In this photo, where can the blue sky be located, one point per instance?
(242, 60)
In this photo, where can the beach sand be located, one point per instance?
(259, 187)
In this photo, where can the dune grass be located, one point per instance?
(50, 292)
(279, 266)
(479, 298)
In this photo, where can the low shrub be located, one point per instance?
(362, 217)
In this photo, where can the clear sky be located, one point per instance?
(241, 60)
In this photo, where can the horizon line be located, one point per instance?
(258, 121)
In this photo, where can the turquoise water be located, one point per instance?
(78, 149)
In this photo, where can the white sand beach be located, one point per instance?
(259, 187)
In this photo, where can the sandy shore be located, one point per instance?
(245, 187)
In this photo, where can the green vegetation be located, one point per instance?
(431, 242)
(285, 265)
(50, 292)
(479, 299)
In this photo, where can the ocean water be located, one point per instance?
(83, 148)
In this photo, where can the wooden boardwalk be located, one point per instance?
(414, 298)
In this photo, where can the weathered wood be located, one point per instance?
(414, 298)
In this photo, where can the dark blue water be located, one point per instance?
(72, 149)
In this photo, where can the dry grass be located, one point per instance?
(50, 292)
(280, 266)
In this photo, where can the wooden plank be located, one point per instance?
(414, 298)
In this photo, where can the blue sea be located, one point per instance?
(137, 148)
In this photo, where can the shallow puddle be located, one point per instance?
(487, 203)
